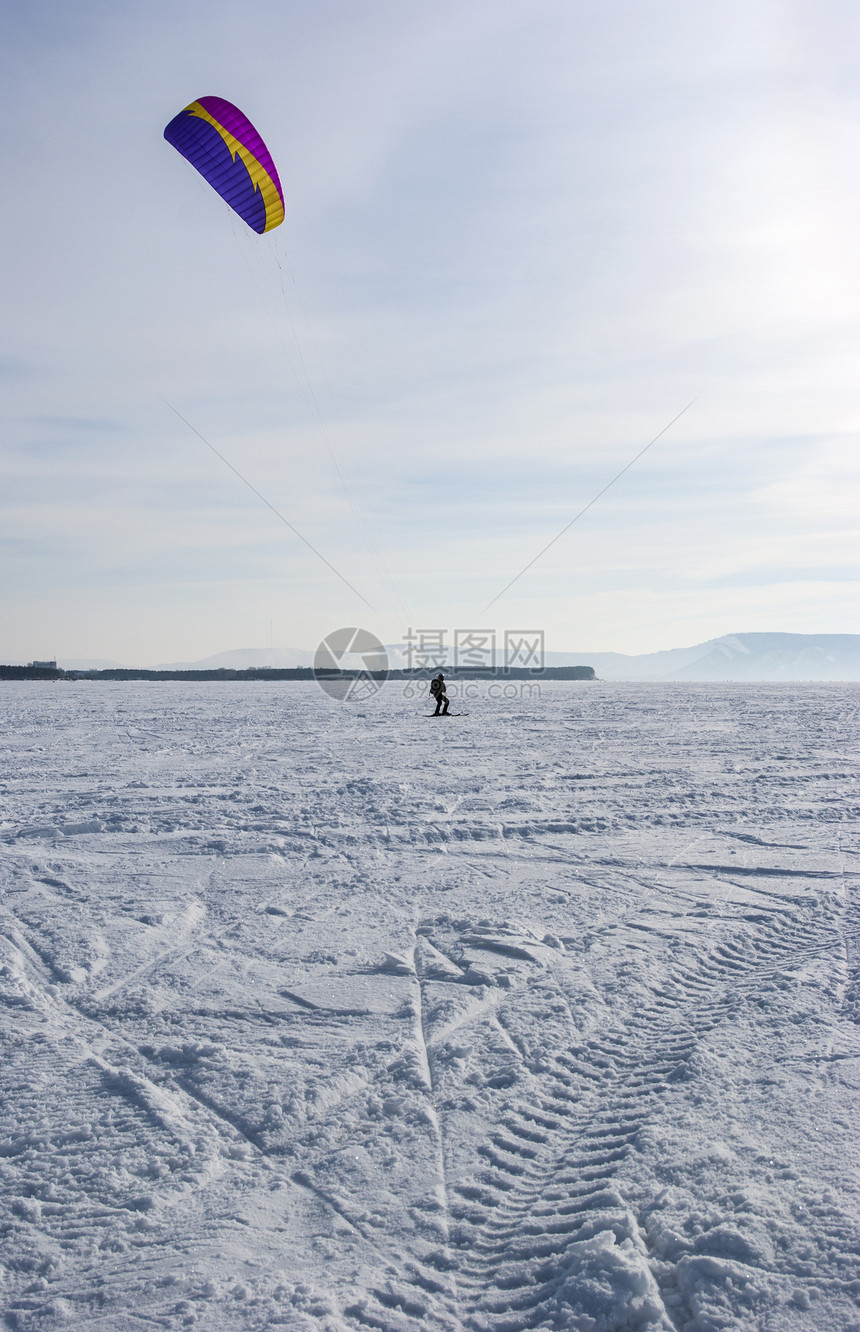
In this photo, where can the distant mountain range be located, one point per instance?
(733, 657)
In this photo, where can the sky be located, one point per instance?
(521, 237)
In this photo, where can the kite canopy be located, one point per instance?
(220, 141)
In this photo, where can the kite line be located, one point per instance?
(588, 506)
(269, 505)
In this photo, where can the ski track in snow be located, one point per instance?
(315, 1017)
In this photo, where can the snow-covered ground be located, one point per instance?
(323, 1015)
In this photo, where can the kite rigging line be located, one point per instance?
(588, 506)
(269, 505)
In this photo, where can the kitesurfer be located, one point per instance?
(437, 689)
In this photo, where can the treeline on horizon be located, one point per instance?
(299, 673)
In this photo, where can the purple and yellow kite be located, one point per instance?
(220, 141)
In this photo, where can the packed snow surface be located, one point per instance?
(329, 1015)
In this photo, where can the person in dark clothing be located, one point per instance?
(437, 689)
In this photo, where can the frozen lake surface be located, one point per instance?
(331, 1016)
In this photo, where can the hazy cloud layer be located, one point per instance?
(520, 237)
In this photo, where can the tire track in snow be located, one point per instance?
(542, 1216)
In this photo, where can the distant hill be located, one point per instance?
(778, 657)
(733, 657)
